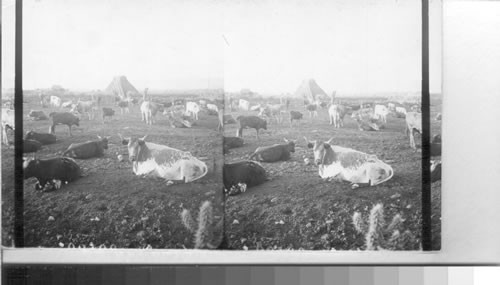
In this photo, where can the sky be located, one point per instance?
(351, 46)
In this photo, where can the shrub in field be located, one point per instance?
(379, 235)
(204, 230)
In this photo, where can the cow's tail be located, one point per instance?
(202, 175)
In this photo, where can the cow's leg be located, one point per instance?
(258, 134)
(70, 134)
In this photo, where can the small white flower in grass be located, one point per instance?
(51, 218)
(61, 244)
(236, 222)
(280, 222)
(245, 247)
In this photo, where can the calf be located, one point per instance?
(8, 122)
(231, 142)
(295, 115)
(250, 173)
(345, 164)
(252, 122)
(107, 112)
(37, 115)
(156, 160)
(46, 170)
(413, 124)
(63, 118)
(336, 113)
(87, 149)
(44, 139)
(277, 152)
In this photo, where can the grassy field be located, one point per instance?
(131, 211)
(298, 210)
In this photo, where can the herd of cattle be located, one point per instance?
(175, 166)
(334, 162)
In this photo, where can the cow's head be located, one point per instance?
(103, 141)
(290, 144)
(136, 148)
(30, 166)
(320, 150)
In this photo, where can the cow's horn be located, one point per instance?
(329, 141)
(144, 137)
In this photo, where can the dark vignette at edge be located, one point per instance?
(426, 173)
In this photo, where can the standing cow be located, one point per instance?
(336, 113)
(192, 109)
(63, 118)
(413, 124)
(253, 122)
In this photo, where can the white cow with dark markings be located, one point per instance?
(345, 164)
(154, 160)
(192, 109)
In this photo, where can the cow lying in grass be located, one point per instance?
(53, 170)
(41, 137)
(345, 164)
(87, 149)
(231, 142)
(241, 175)
(277, 152)
(161, 161)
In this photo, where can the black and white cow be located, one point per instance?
(46, 171)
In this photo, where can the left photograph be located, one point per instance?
(122, 137)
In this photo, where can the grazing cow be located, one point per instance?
(8, 122)
(43, 138)
(63, 118)
(85, 107)
(37, 115)
(435, 170)
(149, 110)
(336, 113)
(231, 142)
(46, 171)
(123, 106)
(67, 104)
(413, 123)
(250, 173)
(277, 152)
(295, 115)
(252, 122)
(380, 112)
(87, 149)
(156, 160)
(345, 164)
(312, 109)
(400, 112)
(107, 112)
(438, 117)
(244, 105)
(192, 109)
(31, 146)
(55, 101)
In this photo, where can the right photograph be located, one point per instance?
(323, 125)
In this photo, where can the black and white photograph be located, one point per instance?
(122, 141)
(325, 100)
(223, 125)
